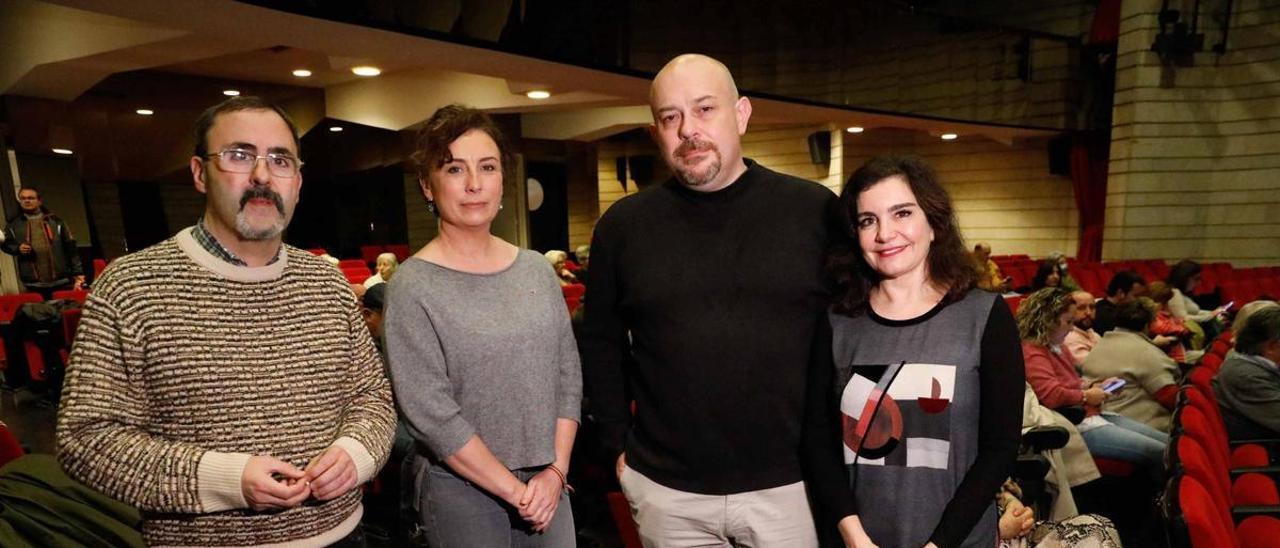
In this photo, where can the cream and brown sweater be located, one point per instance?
(184, 366)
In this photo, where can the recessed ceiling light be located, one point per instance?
(302, 73)
(231, 92)
(366, 70)
(538, 94)
(949, 136)
(145, 111)
(63, 151)
(854, 129)
(335, 129)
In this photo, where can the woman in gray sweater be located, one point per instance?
(482, 358)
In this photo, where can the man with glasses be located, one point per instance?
(48, 259)
(221, 381)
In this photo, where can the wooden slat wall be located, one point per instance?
(1195, 152)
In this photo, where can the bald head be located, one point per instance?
(698, 122)
(698, 65)
(1085, 309)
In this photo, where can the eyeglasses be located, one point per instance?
(235, 160)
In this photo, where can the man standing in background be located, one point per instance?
(48, 259)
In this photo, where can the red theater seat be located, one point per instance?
(77, 295)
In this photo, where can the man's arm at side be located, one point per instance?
(604, 345)
(369, 424)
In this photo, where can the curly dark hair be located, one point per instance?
(949, 264)
(431, 148)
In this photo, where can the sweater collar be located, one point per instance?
(737, 188)
(197, 252)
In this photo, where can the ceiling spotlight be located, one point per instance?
(145, 111)
(335, 129)
(854, 129)
(231, 92)
(949, 136)
(538, 94)
(63, 151)
(302, 73)
(366, 70)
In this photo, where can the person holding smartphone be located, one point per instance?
(1044, 320)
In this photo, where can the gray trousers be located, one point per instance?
(767, 518)
(457, 514)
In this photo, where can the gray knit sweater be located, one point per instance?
(490, 355)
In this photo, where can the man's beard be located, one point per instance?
(687, 175)
(1084, 325)
(248, 232)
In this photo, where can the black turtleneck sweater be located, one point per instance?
(722, 294)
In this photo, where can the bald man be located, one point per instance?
(710, 287)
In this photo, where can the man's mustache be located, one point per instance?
(257, 192)
(694, 145)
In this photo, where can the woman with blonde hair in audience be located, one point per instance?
(1044, 319)
(559, 262)
(482, 358)
(386, 265)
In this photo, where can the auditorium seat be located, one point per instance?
(401, 251)
(352, 263)
(9, 306)
(369, 253)
(77, 295)
(9, 447)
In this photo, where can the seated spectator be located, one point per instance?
(583, 253)
(1248, 384)
(1128, 353)
(1168, 331)
(1044, 319)
(1125, 286)
(386, 266)
(1183, 279)
(373, 300)
(1243, 316)
(1059, 258)
(1047, 275)
(1069, 467)
(1082, 337)
(989, 276)
(558, 259)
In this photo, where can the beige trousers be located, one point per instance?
(768, 518)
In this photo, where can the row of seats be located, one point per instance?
(1219, 493)
(1241, 285)
(9, 307)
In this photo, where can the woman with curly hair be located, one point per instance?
(1044, 319)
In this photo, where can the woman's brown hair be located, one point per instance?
(949, 264)
(431, 148)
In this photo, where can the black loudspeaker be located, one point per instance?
(641, 169)
(1060, 155)
(820, 147)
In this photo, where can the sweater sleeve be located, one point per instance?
(569, 387)
(1049, 389)
(419, 374)
(821, 455)
(369, 423)
(1000, 378)
(604, 344)
(101, 437)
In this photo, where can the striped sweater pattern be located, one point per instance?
(184, 366)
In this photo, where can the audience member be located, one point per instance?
(1168, 332)
(1019, 528)
(1069, 467)
(1047, 275)
(989, 276)
(1125, 286)
(558, 260)
(482, 357)
(238, 398)
(1242, 316)
(373, 304)
(1066, 281)
(1082, 337)
(1044, 319)
(719, 353)
(48, 259)
(1151, 376)
(909, 326)
(1183, 279)
(1248, 384)
(386, 265)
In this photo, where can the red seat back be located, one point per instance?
(1258, 532)
(1254, 489)
(1208, 524)
(77, 295)
(1195, 463)
(401, 251)
(369, 253)
(9, 304)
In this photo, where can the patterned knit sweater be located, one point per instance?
(184, 366)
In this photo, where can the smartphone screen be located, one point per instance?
(1112, 386)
